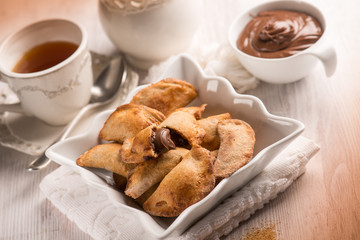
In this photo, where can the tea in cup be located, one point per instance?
(48, 66)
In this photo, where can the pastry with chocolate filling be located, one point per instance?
(166, 95)
(146, 145)
(184, 128)
(127, 120)
(189, 182)
(151, 172)
(237, 140)
(211, 140)
(106, 156)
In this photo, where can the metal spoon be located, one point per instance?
(104, 90)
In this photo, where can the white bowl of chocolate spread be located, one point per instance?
(282, 41)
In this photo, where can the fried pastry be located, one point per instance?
(139, 149)
(127, 120)
(166, 95)
(189, 182)
(213, 155)
(106, 156)
(151, 172)
(237, 140)
(146, 145)
(164, 155)
(185, 130)
(211, 140)
(140, 200)
(196, 111)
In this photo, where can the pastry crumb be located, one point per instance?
(267, 232)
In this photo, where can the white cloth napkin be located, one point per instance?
(95, 214)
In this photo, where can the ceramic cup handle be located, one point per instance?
(327, 55)
(16, 107)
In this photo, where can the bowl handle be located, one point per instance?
(327, 55)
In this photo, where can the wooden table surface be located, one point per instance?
(324, 203)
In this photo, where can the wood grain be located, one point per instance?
(324, 203)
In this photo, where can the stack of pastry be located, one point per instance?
(164, 154)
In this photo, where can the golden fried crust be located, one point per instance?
(139, 148)
(127, 120)
(153, 171)
(140, 200)
(213, 155)
(189, 182)
(196, 111)
(211, 140)
(105, 156)
(166, 95)
(237, 140)
(184, 123)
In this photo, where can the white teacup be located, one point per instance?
(56, 94)
(286, 69)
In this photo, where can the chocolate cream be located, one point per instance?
(279, 33)
(162, 140)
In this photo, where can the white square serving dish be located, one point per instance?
(273, 134)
